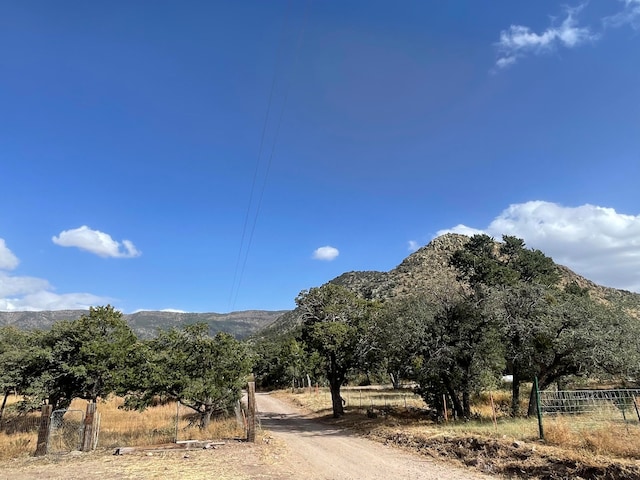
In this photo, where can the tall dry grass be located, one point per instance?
(602, 437)
(157, 425)
(120, 427)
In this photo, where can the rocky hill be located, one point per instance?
(146, 323)
(428, 268)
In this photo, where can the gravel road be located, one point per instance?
(313, 450)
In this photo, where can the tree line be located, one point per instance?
(98, 355)
(508, 312)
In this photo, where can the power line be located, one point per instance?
(234, 294)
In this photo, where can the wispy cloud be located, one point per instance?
(596, 242)
(412, 245)
(97, 242)
(8, 261)
(519, 41)
(630, 15)
(326, 253)
(21, 293)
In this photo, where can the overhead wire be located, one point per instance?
(239, 271)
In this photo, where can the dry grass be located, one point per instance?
(128, 428)
(574, 435)
(604, 437)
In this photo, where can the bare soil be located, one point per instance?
(294, 444)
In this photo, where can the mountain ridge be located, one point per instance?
(146, 323)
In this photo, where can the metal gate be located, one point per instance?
(65, 433)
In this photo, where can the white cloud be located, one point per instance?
(596, 242)
(519, 41)
(47, 300)
(413, 245)
(461, 229)
(325, 253)
(22, 293)
(8, 261)
(630, 15)
(97, 242)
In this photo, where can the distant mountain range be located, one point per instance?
(427, 269)
(146, 323)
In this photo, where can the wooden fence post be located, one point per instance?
(251, 412)
(43, 430)
(89, 426)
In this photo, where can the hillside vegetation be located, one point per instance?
(453, 318)
(428, 269)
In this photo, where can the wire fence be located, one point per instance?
(593, 405)
(65, 433)
(21, 423)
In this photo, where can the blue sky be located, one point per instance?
(137, 167)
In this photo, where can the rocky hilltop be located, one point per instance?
(428, 268)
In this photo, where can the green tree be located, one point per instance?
(332, 325)
(17, 350)
(203, 373)
(521, 277)
(459, 351)
(283, 361)
(397, 336)
(86, 358)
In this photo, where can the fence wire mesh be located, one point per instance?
(65, 431)
(608, 404)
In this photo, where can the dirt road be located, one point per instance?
(313, 450)
(293, 447)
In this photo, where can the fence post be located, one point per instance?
(43, 430)
(538, 408)
(251, 412)
(89, 426)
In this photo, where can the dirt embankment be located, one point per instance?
(515, 459)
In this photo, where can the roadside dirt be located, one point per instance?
(316, 450)
(294, 445)
(291, 446)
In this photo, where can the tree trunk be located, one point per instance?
(515, 393)
(336, 377)
(395, 380)
(457, 406)
(466, 403)
(336, 399)
(466, 392)
(205, 417)
(4, 404)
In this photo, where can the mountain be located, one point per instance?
(146, 323)
(427, 269)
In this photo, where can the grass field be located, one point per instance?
(120, 427)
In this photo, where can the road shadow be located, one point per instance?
(301, 424)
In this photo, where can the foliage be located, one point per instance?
(203, 373)
(333, 321)
(282, 361)
(15, 351)
(86, 358)
(397, 334)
